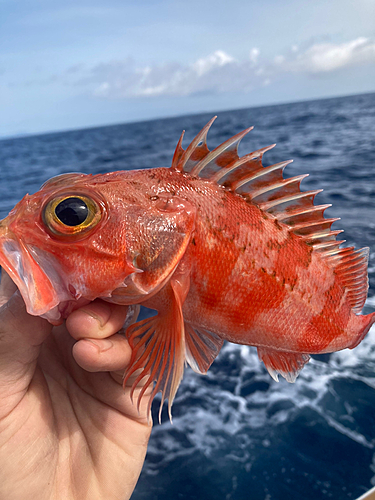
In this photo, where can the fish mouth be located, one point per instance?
(36, 275)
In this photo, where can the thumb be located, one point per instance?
(21, 336)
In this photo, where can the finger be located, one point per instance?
(109, 354)
(113, 355)
(98, 319)
(7, 287)
(21, 336)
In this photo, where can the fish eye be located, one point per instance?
(72, 211)
(71, 215)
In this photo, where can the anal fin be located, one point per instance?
(202, 347)
(287, 364)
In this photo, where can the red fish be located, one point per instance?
(221, 246)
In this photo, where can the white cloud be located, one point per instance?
(206, 64)
(254, 55)
(326, 57)
(217, 73)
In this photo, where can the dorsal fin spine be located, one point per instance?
(217, 151)
(261, 173)
(286, 199)
(200, 137)
(303, 225)
(285, 182)
(349, 256)
(240, 161)
(333, 254)
(307, 210)
(320, 247)
(322, 234)
(178, 152)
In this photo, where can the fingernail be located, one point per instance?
(102, 344)
(101, 313)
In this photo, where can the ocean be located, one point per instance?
(237, 434)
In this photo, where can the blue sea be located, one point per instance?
(237, 434)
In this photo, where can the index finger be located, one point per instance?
(97, 320)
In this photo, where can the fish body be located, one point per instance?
(222, 247)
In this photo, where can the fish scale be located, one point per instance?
(221, 246)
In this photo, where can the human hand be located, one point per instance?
(68, 429)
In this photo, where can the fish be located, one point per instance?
(222, 247)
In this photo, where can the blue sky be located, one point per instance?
(81, 63)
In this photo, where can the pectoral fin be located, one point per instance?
(161, 344)
(287, 364)
(158, 344)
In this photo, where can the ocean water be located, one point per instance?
(237, 434)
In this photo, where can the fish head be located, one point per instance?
(77, 239)
(50, 247)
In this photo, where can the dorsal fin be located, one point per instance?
(194, 153)
(178, 152)
(280, 197)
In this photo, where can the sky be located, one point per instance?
(84, 63)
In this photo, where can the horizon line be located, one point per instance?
(24, 135)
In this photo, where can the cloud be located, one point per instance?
(327, 57)
(217, 73)
(254, 55)
(215, 60)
